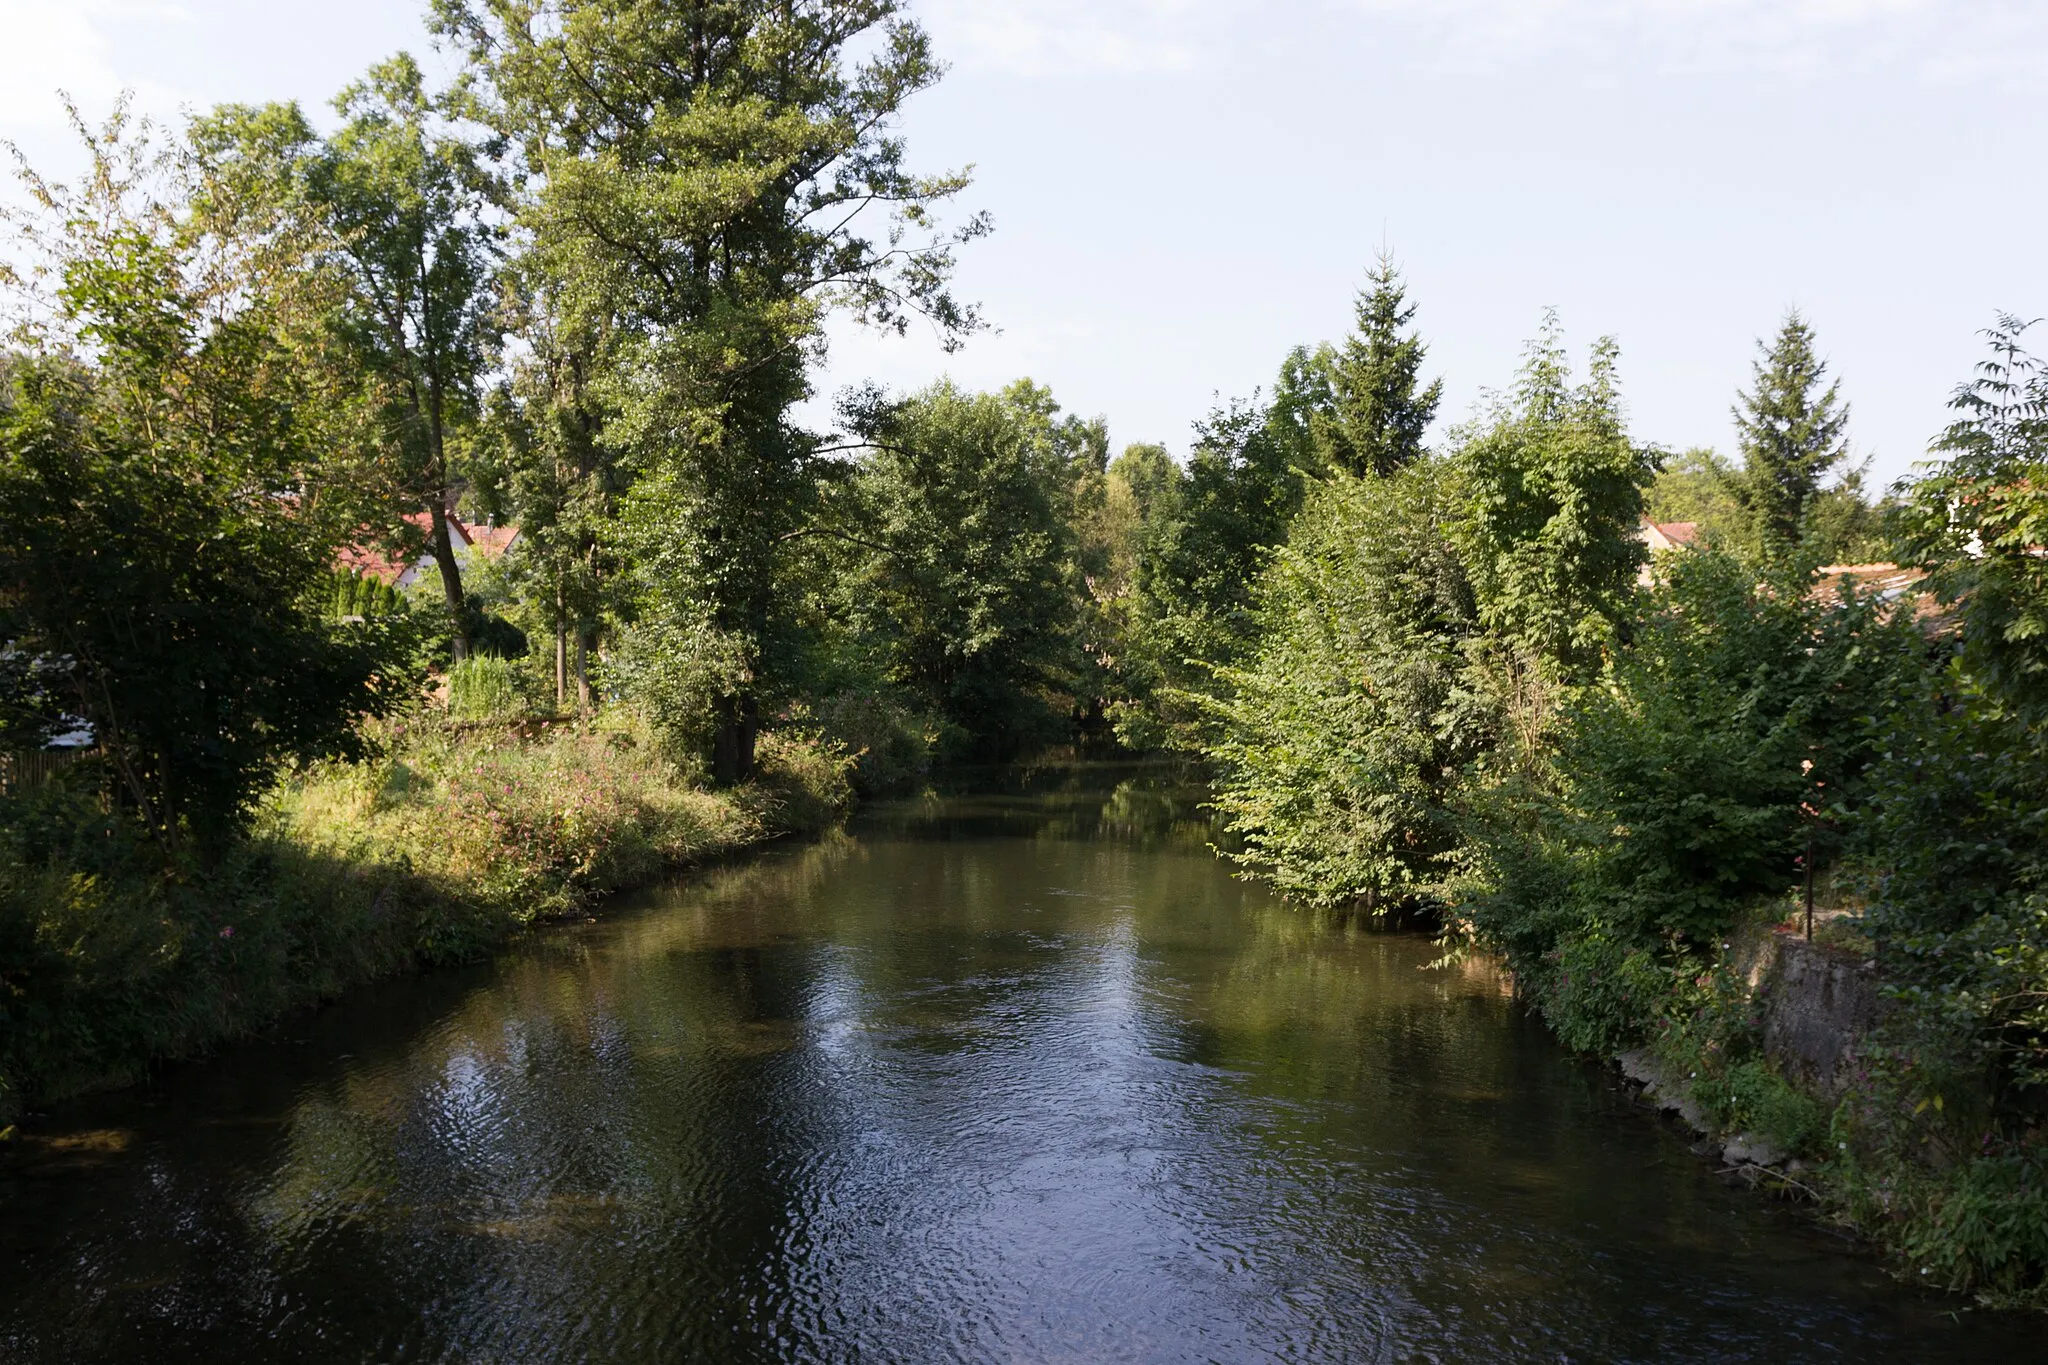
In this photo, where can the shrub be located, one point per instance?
(1338, 744)
(485, 687)
(892, 746)
(807, 773)
(1685, 787)
(1601, 993)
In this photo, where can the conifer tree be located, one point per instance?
(1791, 431)
(1379, 415)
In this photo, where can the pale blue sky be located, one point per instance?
(1184, 188)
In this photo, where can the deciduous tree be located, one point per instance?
(704, 183)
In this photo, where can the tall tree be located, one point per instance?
(1791, 430)
(158, 556)
(706, 181)
(395, 208)
(960, 572)
(1978, 519)
(1240, 492)
(1379, 411)
(1553, 492)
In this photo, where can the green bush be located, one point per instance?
(1752, 1096)
(809, 775)
(353, 594)
(1338, 744)
(1981, 1227)
(1599, 993)
(893, 746)
(1734, 726)
(485, 687)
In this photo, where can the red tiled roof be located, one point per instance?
(378, 562)
(1679, 532)
(371, 562)
(489, 541)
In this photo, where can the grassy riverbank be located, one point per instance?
(1886, 1112)
(442, 846)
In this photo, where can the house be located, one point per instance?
(1668, 535)
(470, 542)
(1664, 535)
(1891, 585)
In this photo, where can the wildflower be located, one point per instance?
(227, 931)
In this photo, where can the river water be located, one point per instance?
(1017, 1076)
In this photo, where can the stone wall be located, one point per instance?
(1817, 1003)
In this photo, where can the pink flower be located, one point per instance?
(227, 931)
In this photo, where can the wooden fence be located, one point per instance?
(26, 769)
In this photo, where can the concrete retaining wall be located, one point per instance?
(1817, 1003)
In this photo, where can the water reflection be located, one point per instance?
(1013, 1074)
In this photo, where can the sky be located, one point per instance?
(1184, 189)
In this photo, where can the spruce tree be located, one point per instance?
(1379, 416)
(1791, 431)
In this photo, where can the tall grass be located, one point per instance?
(485, 687)
(436, 851)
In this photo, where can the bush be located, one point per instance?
(1982, 1226)
(358, 595)
(808, 774)
(1339, 743)
(892, 746)
(485, 687)
(1684, 788)
(1600, 993)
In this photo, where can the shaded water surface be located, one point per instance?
(1010, 1077)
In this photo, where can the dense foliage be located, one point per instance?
(159, 562)
(953, 571)
(1339, 741)
(1466, 696)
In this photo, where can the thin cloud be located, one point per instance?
(1058, 37)
(55, 45)
(1937, 39)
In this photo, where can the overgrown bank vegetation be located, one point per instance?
(1468, 691)
(261, 376)
(434, 851)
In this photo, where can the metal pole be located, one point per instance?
(1809, 883)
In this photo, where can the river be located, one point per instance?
(1021, 1075)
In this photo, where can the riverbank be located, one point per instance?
(444, 845)
(1803, 1069)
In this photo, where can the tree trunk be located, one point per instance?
(442, 543)
(582, 670)
(561, 650)
(732, 745)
